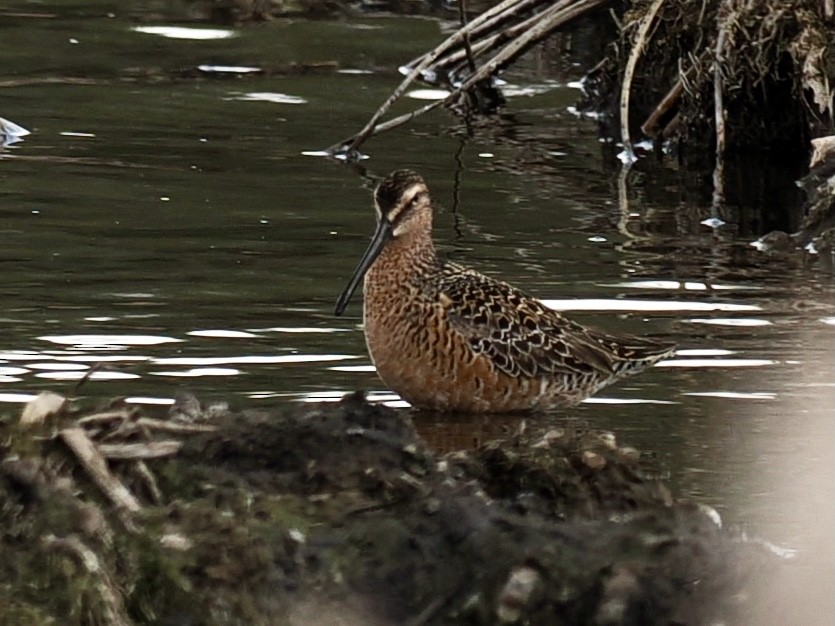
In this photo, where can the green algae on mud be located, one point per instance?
(342, 514)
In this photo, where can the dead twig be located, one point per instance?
(504, 11)
(87, 375)
(96, 466)
(518, 38)
(485, 45)
(104, 418)
(673, 127)
(167, 426)
(144, 423)
(136, 451)
(547, 21)
(351, 145)
(147, 477)
(652, 126)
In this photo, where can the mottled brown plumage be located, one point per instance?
(448, 338)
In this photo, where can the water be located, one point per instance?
(162, 221)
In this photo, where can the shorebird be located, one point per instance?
(447, 338)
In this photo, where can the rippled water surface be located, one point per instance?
(163, 225)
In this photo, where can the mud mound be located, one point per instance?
(340, 514)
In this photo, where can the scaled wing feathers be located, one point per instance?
(520, 335)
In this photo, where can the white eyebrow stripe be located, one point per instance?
(405, 199)
(411, 192)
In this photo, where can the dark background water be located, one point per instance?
(164, 222)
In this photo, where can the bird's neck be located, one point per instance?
(408, 254)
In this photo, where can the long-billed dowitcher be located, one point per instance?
(448, 338)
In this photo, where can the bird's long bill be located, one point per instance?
(381, 236)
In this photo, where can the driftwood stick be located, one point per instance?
(629, 71)
(719, 105)
(673, 127)
(147, 477)
(407, 117)
(489, 42)
(149, 423)
(477, 49)
(136, 451)
(354, 143)
(486, 45)
(394, 123)
(496, 15)
(114, 607)
(548, 20)
(92, 460)
(169, 426)
(516, 10)
(104, 417)
(521, 36)
(652, 126)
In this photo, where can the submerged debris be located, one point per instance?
(816, 234)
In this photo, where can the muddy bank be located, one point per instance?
(341, 514)
(725, 76)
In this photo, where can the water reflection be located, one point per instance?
(598, 400)
(725, 321)
(702, 363)
(687, 285)
(734, 395)
(185, 32)
(253, 359)
(268, 96)
(228, 69)
(149, 401)
(600, 304)
(91, 376)
(11, 133)
(222, 334)
(197, 372)
(107, 342)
